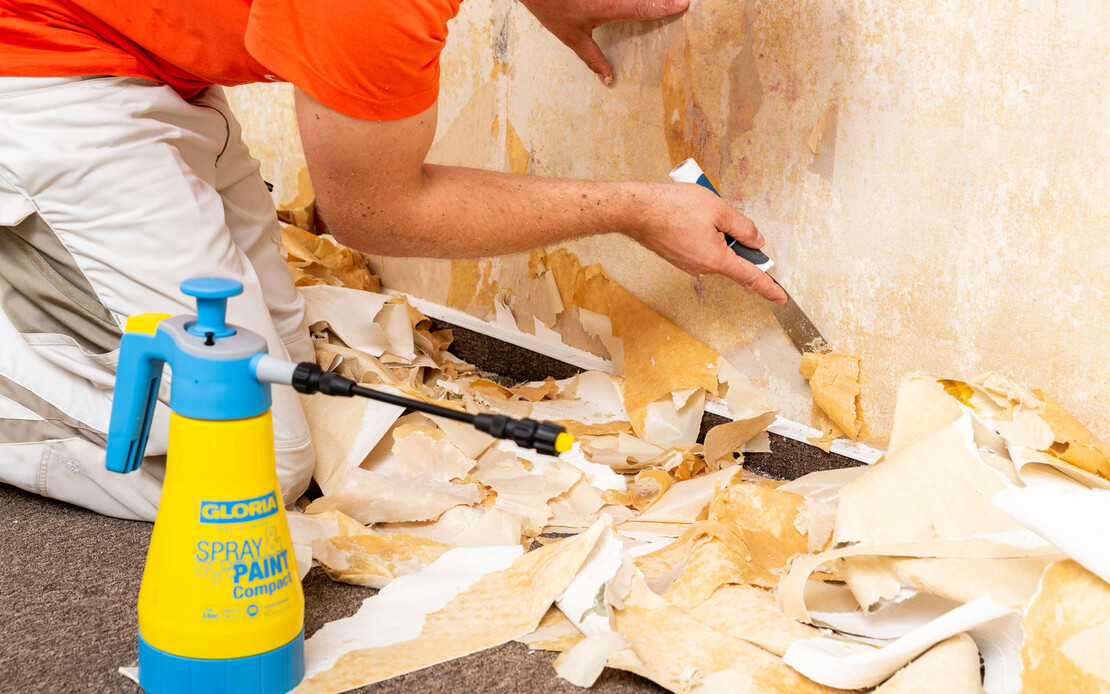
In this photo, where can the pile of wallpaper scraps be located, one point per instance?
(982, 534)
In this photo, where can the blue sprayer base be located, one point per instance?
(273, 672)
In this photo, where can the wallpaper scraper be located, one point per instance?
(799, 328)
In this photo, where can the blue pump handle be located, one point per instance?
(138, 378)
(211, 294)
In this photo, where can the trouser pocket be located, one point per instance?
(42, 291)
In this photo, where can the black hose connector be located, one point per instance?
(525, 432)
(309, 378)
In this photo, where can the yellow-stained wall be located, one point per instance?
(933, 177)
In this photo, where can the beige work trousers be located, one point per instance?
(112, 191)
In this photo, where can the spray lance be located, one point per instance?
(220, 606)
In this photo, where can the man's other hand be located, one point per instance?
(684, 223)
(573, 23)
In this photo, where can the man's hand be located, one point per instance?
(573, 23)
(684, 223)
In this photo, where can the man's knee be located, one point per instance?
(294, 469)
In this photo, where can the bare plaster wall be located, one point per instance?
(933, 178)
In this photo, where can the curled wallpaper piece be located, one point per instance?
(661, 359)
(622, 453)
(375, 559)
(1075, 520)
(426, 452)
(393, 318)
(647, 487)
(371, 497)
(575, 509)
(710, 566)
(683, 502)
(954, 661)
(451, 609)
(936, 488)
(495, 527)
(316, 259)
(724, 439)
(851, 665)
(583, 602)
(923, 407)
(1008, 581)
(601, 327)
(600, 476)
(821, 488)
(554, 633)
(1067, 628)
(397, 613)
(352, 553)
(676, 650)
(661, 565)
(447, 529)
(1074, 442)
(1005, 402)
(792, 592)
(834, 380)
(465, 437)
(583, 663)
(743, 399)
(344, 431)
(131, 672)
(315, 532)
(1025, 428)
(889, 622)
(522, 493)
(350, 315)
(999, 643)
(674, 419)
(1035, 468)
(766, 520)
(537, 391)
(750, 613)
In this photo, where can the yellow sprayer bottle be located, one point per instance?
(220, 606)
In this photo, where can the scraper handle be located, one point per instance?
(689, 172)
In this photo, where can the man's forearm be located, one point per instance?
(375, 193)
(457, 212)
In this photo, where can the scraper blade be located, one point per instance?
(799, 328)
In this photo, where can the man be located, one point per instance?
(122, 173)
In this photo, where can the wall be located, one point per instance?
(933, 178)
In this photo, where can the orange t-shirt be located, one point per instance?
(375, 59)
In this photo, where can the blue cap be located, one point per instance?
(211, 294)
(272, 672)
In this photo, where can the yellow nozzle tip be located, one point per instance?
(563, 442)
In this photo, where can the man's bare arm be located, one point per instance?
(376, 194)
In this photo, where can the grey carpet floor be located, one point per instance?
(69, 581)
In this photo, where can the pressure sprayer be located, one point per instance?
(220, 605)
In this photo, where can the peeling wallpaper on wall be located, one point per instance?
(933, 178)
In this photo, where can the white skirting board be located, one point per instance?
(588, 360)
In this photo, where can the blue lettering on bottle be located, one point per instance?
(239, 510)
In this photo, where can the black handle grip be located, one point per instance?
(752, 255)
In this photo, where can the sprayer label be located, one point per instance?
(239, 511)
